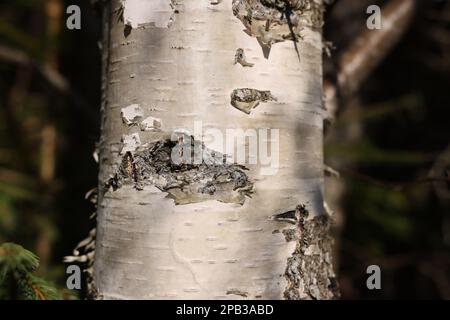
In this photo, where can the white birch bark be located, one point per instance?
(149, 247)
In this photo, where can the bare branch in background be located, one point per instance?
(393, 185)
(53, 77)
(367, 52)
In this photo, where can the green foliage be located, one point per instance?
(383, 212)
(17, 278)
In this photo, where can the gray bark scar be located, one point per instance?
(186, 182)
(246, 99)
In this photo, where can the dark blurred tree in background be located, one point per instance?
(50, 92)
(393, 139)
(389, 142)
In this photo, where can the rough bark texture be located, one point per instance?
(215, 229)
(310, 270)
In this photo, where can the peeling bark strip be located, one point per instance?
(246, 99)
(272, 21)
(186, 182)
(309, 270)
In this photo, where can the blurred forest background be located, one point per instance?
(389, 143)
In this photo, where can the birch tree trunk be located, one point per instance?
(241, 75)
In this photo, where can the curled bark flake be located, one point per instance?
(84, 255)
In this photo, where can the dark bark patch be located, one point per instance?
(309, 270)
(246, 99)
(290, 234)
(127, 30)
(237, 292)
(272, 21)
(288, 216)
(187, 170)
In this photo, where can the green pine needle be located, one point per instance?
(14, 258)
(32, 287)
(17, 280)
